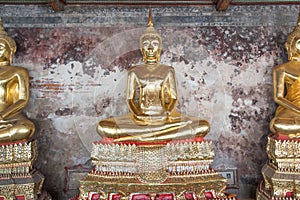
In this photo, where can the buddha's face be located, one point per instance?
(151, 49)
(4, 51)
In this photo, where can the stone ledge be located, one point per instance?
(101, 16)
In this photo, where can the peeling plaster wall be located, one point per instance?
(77, 61)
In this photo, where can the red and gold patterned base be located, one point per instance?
(264, 194)
(171, 170)
(282, 171)
(22, 188)
(18, 179)
(162, 196)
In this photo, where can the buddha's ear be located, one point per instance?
(158, 55)
(11, 55)
(13, 51)
(288, 49)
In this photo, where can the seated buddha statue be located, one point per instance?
(152, 99)
(287, 90)
(14, 94)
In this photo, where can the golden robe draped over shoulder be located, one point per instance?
(293, 95)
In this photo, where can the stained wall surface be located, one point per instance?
(77, 61)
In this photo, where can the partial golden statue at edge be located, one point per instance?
(287, 89)
(14, 94)
(152, 99)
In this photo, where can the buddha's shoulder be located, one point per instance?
(17, 70)
(145, 66)
(167, 67)
(14, 70)
(290, 66)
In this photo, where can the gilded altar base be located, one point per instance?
(167, 170)
(18, 179)
(282, 171)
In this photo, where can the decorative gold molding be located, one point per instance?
(177, 167)
(29, 187)
(282, 172)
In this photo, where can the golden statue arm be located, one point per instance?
(131, 83)
(23, 95)
(12, 109)
(280, 78)
(171, 100)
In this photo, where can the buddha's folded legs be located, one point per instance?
(286, 126)
(186, 132)
(125, 129)
(16, 129)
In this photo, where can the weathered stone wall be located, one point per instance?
(77, 60)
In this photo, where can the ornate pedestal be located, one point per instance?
(282, 172)
(169, 170)
(18, 180)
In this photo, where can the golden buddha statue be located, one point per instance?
(152, 98)
(14, 94)
(287, 90)
(154, 151)
(281, 173)
(18, 178)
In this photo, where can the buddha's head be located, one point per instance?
(7, 45)
(151, 43)
(293, 43)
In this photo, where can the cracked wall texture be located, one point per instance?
(78, 60)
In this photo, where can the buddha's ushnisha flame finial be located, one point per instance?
(2, 31)
(298, 23)
(150, 31)
(150, 20)
(150, 34)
